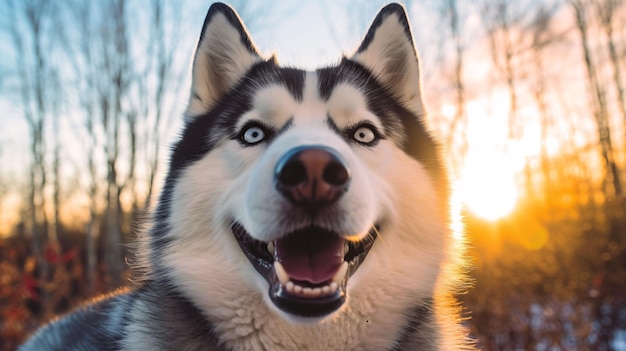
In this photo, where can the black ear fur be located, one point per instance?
(224, 54)
(389, 53)
(233, 19)
(392, 8)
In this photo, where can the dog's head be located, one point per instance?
(316, 190)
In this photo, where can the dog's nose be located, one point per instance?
(312, 176)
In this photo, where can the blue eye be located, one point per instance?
(253, 135)
(365, 134)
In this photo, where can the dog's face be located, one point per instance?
(317, 191)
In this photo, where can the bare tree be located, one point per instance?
(163, 45)
(100, 59)
(607, 10)
(117, 76)
(450, 12)
(82, 55)
(499, 19)
(542, 37)
(256, 15)
(598, 98)
(123, 81)
(57, 105)
(30, 23)
(612, 243)
(32, 102)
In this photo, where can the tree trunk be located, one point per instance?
(459, 119)
(599, 104)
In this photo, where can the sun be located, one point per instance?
(487, 187)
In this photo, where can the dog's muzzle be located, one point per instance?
(308, 269)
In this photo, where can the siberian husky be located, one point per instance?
(303, 210)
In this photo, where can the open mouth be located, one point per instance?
(308, 269)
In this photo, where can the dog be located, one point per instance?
(302, 210)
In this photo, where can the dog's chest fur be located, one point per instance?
(247, 324)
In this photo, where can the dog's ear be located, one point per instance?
(388, 51)
(224, 54)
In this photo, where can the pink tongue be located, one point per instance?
(312, 255)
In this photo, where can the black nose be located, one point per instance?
(312, 176)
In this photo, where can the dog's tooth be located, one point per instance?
(326, 290)
(283, 278)
(297, 289)
(317, 291)
(307, 291)
(290, 286)
(341, 273)
(270, 247)
(333, 287)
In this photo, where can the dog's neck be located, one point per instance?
(246, 323)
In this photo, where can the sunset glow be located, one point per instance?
(9, 215)
(487, 186)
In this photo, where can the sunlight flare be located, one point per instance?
(487, 186)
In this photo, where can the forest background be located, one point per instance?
(527, 96)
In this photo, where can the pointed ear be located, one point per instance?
(224, 54)
(388, 51)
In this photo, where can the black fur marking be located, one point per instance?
(399, 123)
(333, 126)
(233, 19)
(420, 319)
(95, 324)
(286, 126)
(172, 320)
(380, 18)
(203, 133)
(347, 133)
